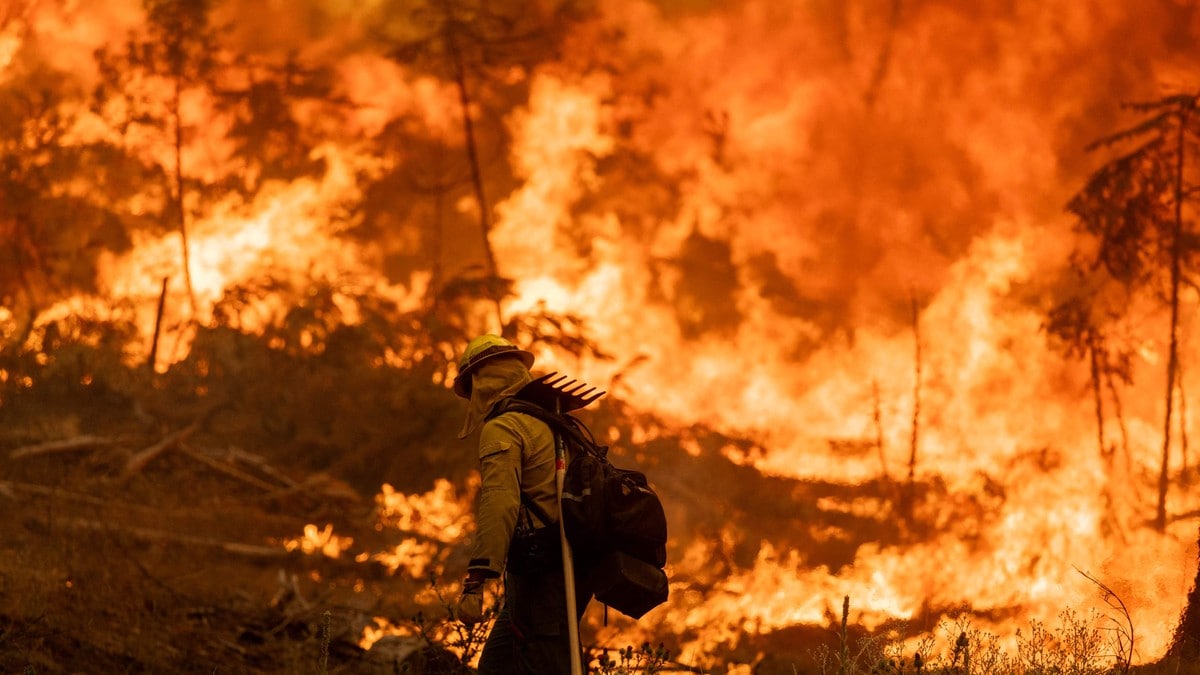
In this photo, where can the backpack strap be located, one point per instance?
(567, 425)
(537, 511)
(555, 422)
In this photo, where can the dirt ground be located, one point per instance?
(128, 548)
(179, 566)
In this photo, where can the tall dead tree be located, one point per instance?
(1080, 326)
(915, 440)
(477, 47)
(178, 50)
(1136, 210)
(449, 30)
(909, 496)
(186, 47)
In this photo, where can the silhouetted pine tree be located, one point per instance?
(487, 51)
(1136, 208)
(59, 196)
(179, 50)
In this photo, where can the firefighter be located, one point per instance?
(517, 534)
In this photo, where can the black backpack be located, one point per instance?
(612, 517)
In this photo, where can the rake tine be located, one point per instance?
(563, 386)
(561, 391)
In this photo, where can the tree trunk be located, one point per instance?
(152, 360)
(1183, 430)
(885, 56)
(1185, 647)
(180, 213)
(914, 441)
(879, 432)
(464, 102)
(1097, 397)
(1160, 517)
(1116, 399)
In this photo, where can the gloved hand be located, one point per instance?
(470, 605)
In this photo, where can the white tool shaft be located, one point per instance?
(568, 578)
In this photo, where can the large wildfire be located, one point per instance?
(831, 227)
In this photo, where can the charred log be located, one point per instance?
(84, 442)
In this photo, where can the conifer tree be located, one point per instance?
(1138, 211)
(485, 50)
(60, 196)
(150, 77)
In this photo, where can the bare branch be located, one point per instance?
(1157, 123)
(84, 442)
(1125, 633)
(149, 534)
(141, 459)
(226, 468)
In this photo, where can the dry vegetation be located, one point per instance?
(147, 516)
(1092, 644)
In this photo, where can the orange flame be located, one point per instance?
(322, 541)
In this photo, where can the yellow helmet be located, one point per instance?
(480, 350)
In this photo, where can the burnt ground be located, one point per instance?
(152, 541)
(144, 517)
(178, 567)
(136, 547)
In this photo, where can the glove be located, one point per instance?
(470, 605)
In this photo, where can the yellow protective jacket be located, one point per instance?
(516, 453)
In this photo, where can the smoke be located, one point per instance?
(864, 146)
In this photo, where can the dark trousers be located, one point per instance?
(530, 636)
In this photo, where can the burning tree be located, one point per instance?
(1136, 211)
(63, 197)
(1087, 325)
(149, 81)
(484, 50)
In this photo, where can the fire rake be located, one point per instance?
(562, 395)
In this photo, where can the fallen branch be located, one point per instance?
(107, 505)
(261, 464)
(9, 488)
(148, 534)
(320, 484)
(141, 459)
(62, 445)
(227, 469)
